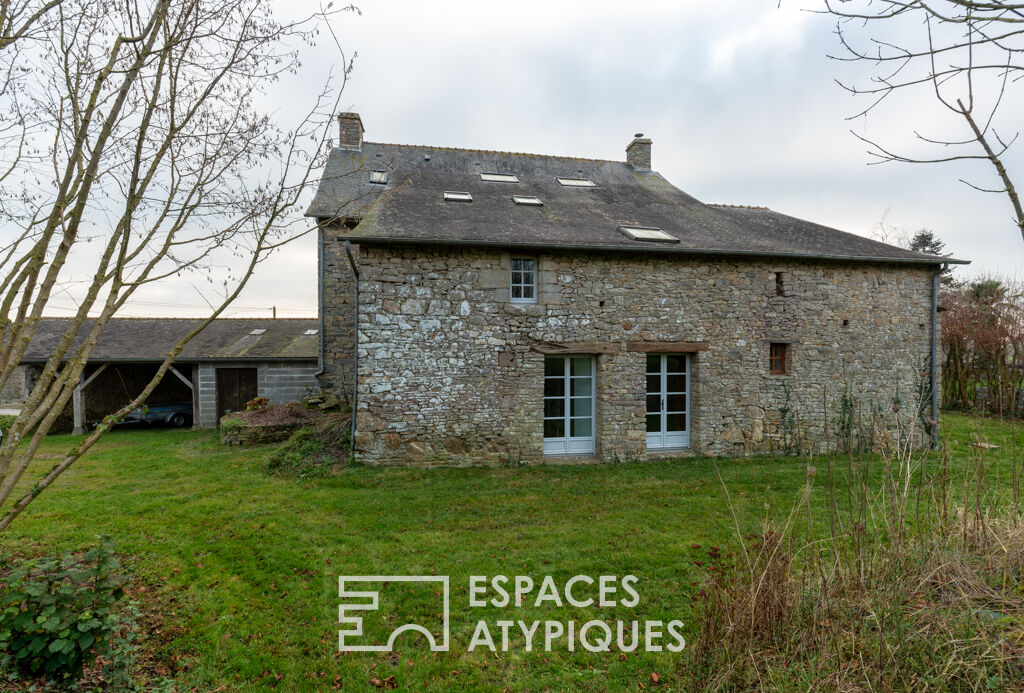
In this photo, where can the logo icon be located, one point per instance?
(369, 600)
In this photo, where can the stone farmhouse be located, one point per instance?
(484, 307)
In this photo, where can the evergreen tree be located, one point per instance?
(925, 241)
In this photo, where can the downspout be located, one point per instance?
(934, 357)
(355, 341)
(320, 298)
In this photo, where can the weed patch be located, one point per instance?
(316, 450)
(912, 581)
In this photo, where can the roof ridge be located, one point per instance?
(494, 151)
(728, 206)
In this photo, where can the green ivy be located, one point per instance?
(58, 613)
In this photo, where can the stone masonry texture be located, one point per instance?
(14, 391)
(350, 131)
(339, 317)
(449, 372)
(638, 154)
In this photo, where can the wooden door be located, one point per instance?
(235, 387)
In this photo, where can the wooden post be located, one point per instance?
(78, 400)
(196, 425)
(78, 408)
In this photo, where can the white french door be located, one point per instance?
(668, 401)
(568, 405)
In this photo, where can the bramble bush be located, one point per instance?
(58, 613)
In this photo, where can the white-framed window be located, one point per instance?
(569, 405)
(668, 401)
(528, 200)
(499, 177)
(648, 233)
(523, 280)
(576, 182)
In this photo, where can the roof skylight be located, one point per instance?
(528, 200)
(499, 178)
(259, 330)
(577, 182)
(451, 196)
(379, 177)
(644, 233)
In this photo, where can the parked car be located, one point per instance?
(176, 414)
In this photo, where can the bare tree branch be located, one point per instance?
(139, 152)
(967, 53)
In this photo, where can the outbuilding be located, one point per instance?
(227, 364)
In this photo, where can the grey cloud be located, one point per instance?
(765, 126)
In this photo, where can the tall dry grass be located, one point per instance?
(910, 578)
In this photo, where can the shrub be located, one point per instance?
(257, 403)
(230, 423)
(58, 613)
(6, 421)
(314, 451)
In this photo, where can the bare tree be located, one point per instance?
(22, 19)
(134, 148)
(965, 55)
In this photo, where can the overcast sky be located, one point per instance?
(738, 95)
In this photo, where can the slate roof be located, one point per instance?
(410, 208)
(151, 339)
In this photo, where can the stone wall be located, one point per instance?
(14, 391)
(339, 317)
(239, 433)
(450, 372)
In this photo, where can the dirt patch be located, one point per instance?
(291, 413)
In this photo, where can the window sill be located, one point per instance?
(535, 310)
(669, 453)
(573, 458)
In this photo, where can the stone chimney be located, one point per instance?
(638, 153)
(350, 132)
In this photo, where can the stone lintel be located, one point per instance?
(667, 347)
(576, 347)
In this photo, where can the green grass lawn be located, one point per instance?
(244, 566)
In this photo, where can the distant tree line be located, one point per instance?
(982, 323)
(983, 345)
